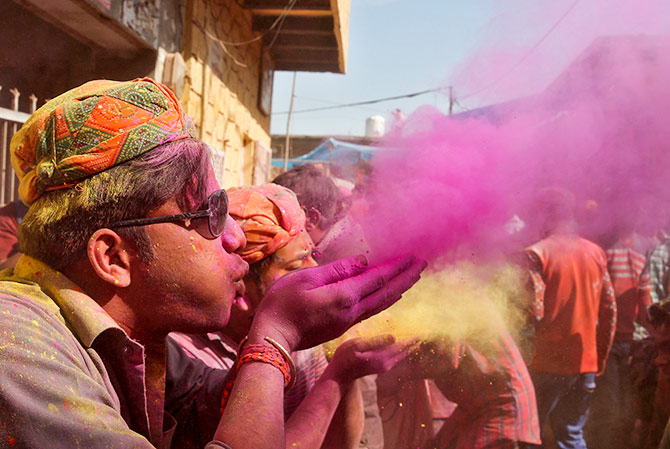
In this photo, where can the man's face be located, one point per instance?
(295, 255)
(192, 281)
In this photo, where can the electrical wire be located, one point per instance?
(362, 103)
(456, 101)
(280, 22)
(526, 55)
(320, 100)
(277, 22)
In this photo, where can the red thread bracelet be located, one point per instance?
(265, 354)
(273, 354)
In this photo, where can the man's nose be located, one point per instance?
(233, 238)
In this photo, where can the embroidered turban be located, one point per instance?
(270, 217)
(92, 128)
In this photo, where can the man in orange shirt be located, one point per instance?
(574, 310)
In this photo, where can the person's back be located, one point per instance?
(494, 393)
(625, 263)
(574, 312)
(572, 270)
(611, 420)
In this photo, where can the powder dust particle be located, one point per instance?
(461, 301)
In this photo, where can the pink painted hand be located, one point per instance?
(360, 357)
(315, 305)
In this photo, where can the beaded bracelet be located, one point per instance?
(275, 355)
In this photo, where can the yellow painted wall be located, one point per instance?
(221, 90)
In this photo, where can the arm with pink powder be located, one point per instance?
(301, 310)
(353, 359)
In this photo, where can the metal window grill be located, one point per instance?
(11, 120)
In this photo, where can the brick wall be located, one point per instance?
(221, 91)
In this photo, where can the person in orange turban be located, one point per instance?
(277, 243)
(270, 217)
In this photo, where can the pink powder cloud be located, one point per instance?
(600, 129)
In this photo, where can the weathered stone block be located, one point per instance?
(195, 73)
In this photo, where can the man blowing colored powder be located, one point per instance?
(128, 238)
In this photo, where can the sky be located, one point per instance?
(498, 50)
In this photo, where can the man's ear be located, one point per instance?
(109, 256)
(313, 217)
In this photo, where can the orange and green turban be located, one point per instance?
(91, 128)
(270, 217)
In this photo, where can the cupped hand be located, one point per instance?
(311, 306)
(363, 356)
(428, 357)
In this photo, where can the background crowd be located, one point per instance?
(594, 369)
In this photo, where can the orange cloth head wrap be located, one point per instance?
(92, 128)
(270, 217)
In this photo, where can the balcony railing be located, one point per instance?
(11, 120)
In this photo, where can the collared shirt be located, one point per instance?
(494, 392)
(492, 389)
(658, 267)
(574, 305)
(218, 351)
(71, 377)
(625, 264)
(214, 349)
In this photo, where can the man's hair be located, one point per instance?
(58, 225)
(258, 269)
(314, 189)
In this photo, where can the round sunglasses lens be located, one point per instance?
(218, 208)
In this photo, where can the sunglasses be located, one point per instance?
(216, 213)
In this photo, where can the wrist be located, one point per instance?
(335, 373)
(262, 328)
(333, 378)
(271, 352)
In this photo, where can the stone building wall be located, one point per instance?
(222, 85)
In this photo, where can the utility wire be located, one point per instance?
(525, 56)
(280, 22)
(437, 89)
(335, 103)
(362, 103)
(277, 22)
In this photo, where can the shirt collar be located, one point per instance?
(228, 343)
(86, 317)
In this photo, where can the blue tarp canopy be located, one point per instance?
(331, 151)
